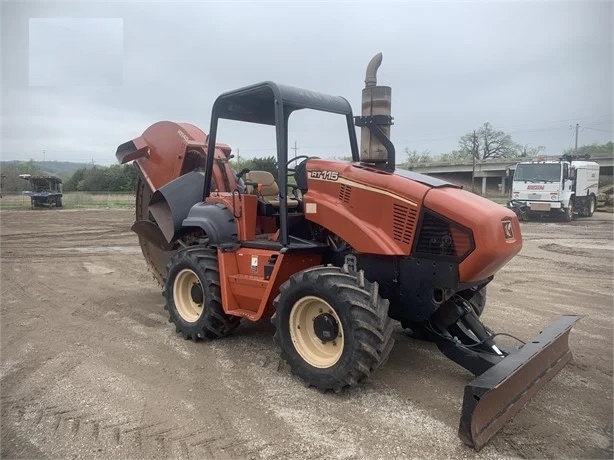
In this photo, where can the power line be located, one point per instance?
(295, 148)
(596, 129)
(609, 115)
(455, 136)
(397, 141)
(571, 139)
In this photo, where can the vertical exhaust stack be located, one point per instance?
(375, 122)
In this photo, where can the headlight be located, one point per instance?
(516, 194)
(554, 196)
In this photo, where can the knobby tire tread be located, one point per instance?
(365, 311)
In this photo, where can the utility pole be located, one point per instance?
(43, 155)
(238, 157)
(576, 148)
(295, 148)
(473, 155)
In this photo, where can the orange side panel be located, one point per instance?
(286, 266)
(243, 283)
(245, 291)
(373, 211)
(361, 232)
(247, 216)
(244, 208)
(248, 291)
(266, 224)
(228, 267)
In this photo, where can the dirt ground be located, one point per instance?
(90, 367)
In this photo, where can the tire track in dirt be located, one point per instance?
(61, 427)
(334, 425)
(90, 368)
(58, 427)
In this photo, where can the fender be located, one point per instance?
(216, 220)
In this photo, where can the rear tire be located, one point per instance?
(193, 295)
(361, 337)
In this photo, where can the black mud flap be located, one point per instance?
(494, 397)
(152, 233)
(171, 203)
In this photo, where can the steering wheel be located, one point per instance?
(291, 171)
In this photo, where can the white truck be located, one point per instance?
(558, 188)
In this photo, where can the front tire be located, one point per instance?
(193, 295)
(592, 204)
(568, 212)
(332, 327)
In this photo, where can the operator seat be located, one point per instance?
(270, 189)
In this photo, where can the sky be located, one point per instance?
(81, 78)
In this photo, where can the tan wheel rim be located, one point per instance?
(306, 342)
(187, 307)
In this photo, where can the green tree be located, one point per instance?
(29, 167)
(115, 178)
(470, 145)
(594, 149)
(488, 142)
(528, 151)
(73, 181)
(121, 178)
(456, 156)
(265, 164)
(414, 158)
(257, 164)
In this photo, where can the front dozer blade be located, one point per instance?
(495, 396)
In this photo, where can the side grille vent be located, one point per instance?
(435, 237)
(403, 223)
(439, 237)
(345, 193)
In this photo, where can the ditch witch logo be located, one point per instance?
(507, 229)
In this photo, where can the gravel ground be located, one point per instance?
(90, 367)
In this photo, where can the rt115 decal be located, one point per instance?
(324, 175)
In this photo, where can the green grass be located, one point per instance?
(89, 200)
(76, 200)
(499, 199)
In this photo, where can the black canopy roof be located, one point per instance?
(256, 103)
